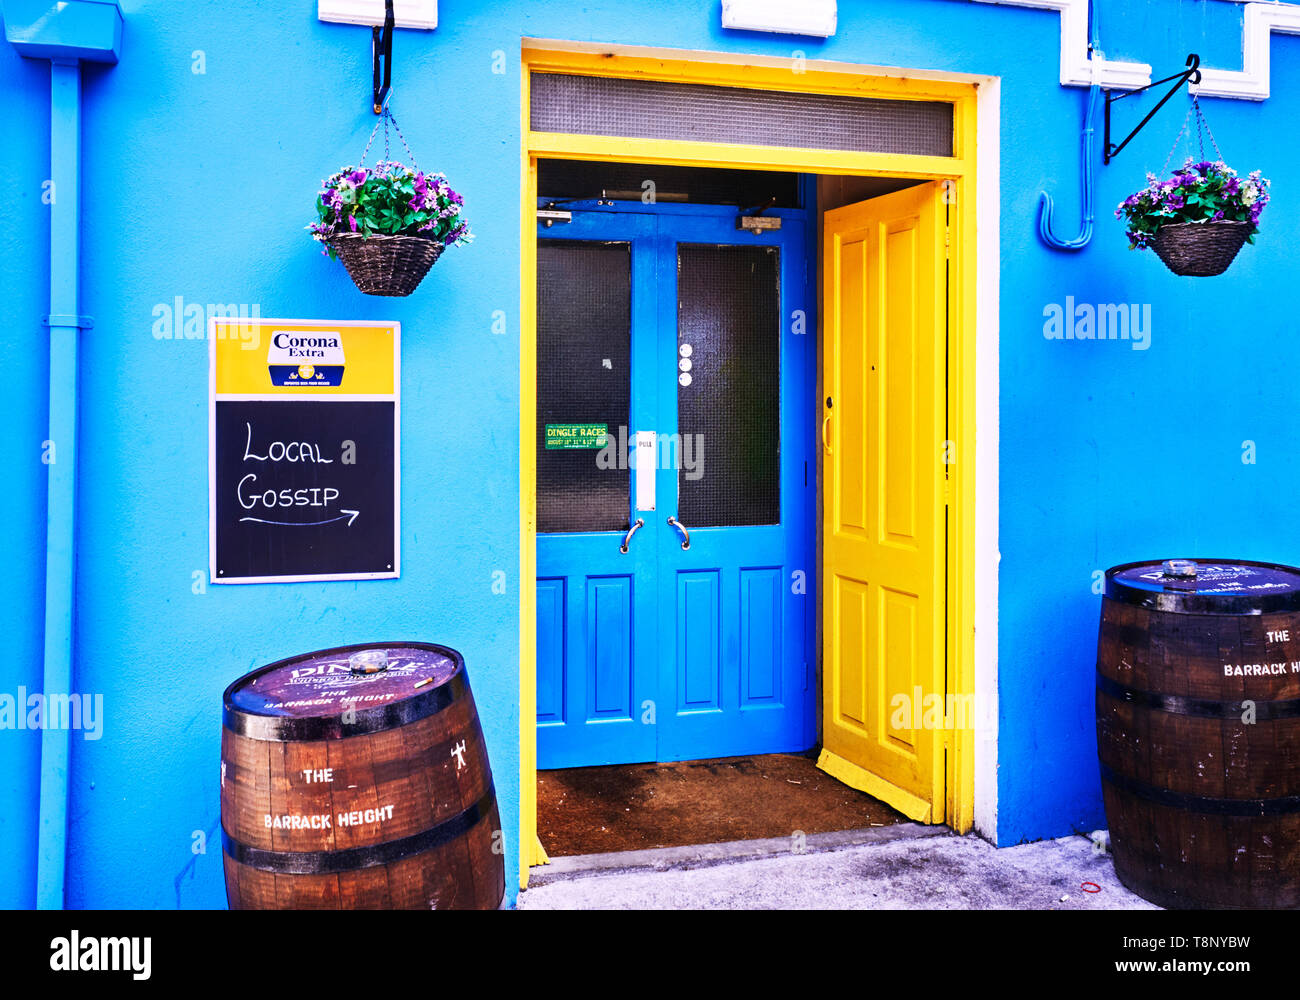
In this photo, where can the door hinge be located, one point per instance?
(947, 490)
(947, 243)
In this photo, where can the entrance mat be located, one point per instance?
(629, 807)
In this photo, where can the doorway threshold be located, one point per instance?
(706, 855)
(633, 807)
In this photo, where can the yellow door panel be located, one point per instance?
(884, 727)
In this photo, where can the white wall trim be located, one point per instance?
(406, 13)
(988, 265)
(1251, 83)
(1077, 67)
(814, 18)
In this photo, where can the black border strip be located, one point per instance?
(1205, 708)
(352, 858)
(284, 728)
(1283, 805)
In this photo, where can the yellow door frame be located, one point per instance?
(732, 71)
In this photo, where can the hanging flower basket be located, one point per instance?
(1199, 217)
(389, 223)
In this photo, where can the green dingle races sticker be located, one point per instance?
(576, 435)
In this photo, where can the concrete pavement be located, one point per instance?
(901, 867)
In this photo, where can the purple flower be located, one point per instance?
(1202, 191)
(431, 200)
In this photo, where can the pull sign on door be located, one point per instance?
(645, 470)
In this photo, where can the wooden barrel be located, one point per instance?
(348, 782)
(1198, 731)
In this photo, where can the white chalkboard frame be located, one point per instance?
(396, 326)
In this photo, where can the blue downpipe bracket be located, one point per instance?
(1088, 176)
(69, 30)
(1089, 187)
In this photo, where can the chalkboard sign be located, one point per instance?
(304, 488)
(304, 482)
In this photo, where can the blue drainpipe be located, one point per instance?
(66, 33)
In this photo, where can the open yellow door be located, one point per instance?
(883, 685)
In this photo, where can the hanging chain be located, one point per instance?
(397, 129)
(1178, 139)
(373, 132)
(1202, 130)
(384, 119)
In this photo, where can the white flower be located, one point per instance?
(1249, 193)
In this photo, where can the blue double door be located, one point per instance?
(674, 488)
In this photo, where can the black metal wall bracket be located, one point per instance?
(1190, 75)
(381, 50)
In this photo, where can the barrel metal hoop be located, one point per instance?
(1281, 806)
(1205, 708)
(285, 729)
(352, 858)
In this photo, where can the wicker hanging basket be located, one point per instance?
(381, 264)
(391, 263)
(1200, 249)
(1222, 210)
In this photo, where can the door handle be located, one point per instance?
(686, 535)
(826, 437)
(640, 523)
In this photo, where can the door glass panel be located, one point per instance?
(584, 325)
(728, 385)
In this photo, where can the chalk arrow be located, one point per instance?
(349, 515)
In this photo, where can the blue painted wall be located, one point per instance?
(199, 185)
